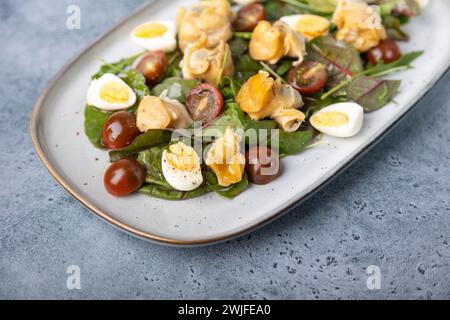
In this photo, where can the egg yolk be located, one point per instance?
(312, 26)
(255, 93)
(330, 119)
(150, 30)
(231, 173)
(114, 92)
(182, 157)
(226, 160)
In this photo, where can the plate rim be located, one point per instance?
(150, 237)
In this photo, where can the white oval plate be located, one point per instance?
(57, 131)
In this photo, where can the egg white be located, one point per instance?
(423, 3)
(182, 180)
(353, 111)
(94, 96)
(291, 21)
(166, 42)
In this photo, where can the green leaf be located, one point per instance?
(172, 195)
(393, 26)
(229, 88)
(174, 69)
(403, 63)
(284, 67)
(157, 186)
(245, 68)
(276, 9)
(146, 140)
(94, 120)
(292, 143)
(151, 160)
(232, 117)
(177, 88)
(116, 67)
(338, 55)
(234, 190)
(137, 82)
(263, 129)
(372, 94)
(238, 47)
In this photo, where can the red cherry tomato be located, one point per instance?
(124, 177)
(387, 51)
(308, 78)
(204, 103)
(263, 165)
(120, 130)
(248, 17)
(153, 66)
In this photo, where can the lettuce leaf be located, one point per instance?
(94, 120)
(144, 141)
(372, 94)
(178, 89)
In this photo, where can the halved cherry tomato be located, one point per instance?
(205, 103)
(387, 51)
(120, 130)
(153, 66)
(308, 78)
(263, 165)
(124, 177)
(249, 16)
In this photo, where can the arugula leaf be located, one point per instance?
(178, 89)
(404, 62)
(146, 140)
(372, 94)
(94, 120)
(229, 88)
(174, 69)
(116, 67)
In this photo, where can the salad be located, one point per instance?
(218, 98)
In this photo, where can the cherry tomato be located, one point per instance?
(249, 16)
(387, 51)
(204, 103)
(120, 130)
(308, 78)
(263, 165)
(124, 177)
(153, 66)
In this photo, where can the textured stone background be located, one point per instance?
(391, 209)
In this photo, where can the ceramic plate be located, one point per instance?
(57, 132)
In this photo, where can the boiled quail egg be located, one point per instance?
(181, 167)
(110, 93)
(341, 120)
(156, 36)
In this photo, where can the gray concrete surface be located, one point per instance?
(391, 209)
